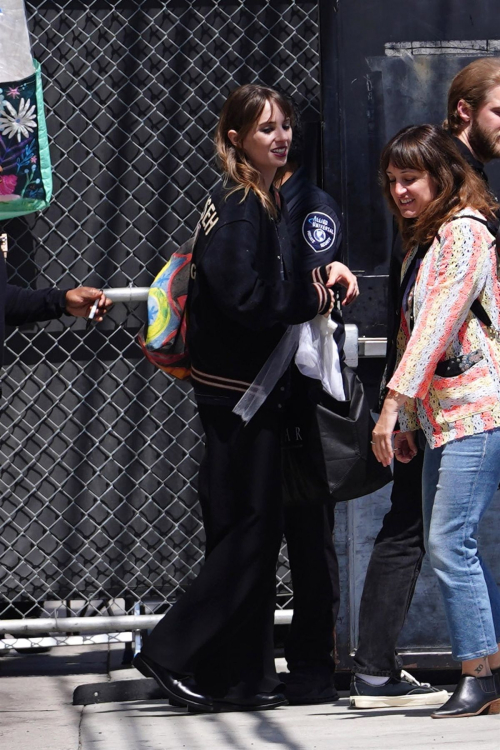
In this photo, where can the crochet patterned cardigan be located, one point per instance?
(459, 267)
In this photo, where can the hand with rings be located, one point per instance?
(405, 446)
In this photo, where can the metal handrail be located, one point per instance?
(100, 623)
(366, 346)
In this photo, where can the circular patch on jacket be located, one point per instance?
(319, 231)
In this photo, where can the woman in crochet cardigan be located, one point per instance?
(446, 386)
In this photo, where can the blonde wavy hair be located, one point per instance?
(240, 112)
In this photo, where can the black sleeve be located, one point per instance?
(32, 305)
(319, 237)
(229, 267)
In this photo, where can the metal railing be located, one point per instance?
(100, 452)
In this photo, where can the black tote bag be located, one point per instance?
(327, 445)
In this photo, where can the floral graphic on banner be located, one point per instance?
(20, 175)
(19, 123)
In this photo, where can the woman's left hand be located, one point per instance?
(383, 430)
(338, 273)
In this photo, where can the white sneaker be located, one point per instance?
(397, 692)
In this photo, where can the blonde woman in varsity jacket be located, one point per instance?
(446, 385)
(213, 651)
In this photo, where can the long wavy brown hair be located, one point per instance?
(428, 148)
(240, 112)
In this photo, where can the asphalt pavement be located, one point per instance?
(37, 713)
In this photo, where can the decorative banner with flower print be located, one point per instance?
(25, 171)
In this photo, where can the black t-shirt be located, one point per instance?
(469, 157)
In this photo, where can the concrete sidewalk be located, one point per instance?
(36, 713)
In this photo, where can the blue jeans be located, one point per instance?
(459, 482)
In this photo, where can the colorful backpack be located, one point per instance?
(165, 342)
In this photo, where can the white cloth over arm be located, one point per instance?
(317, 355)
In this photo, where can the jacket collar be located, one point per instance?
(469, 157)
(293, 188)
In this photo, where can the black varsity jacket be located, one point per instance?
(243, 294)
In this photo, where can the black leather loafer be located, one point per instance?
(308, 687)
(183, 691)
(472, 696)
(176, 703)
(257, 702)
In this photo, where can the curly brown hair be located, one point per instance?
(241, 110)
(429, 148)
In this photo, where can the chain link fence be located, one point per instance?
(99, 452)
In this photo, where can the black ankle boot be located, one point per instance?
(472, 696)
(496, 675)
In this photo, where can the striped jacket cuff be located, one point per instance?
(319, 275)
(325, 298)
(218, 381)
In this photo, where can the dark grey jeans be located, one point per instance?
(392, 574)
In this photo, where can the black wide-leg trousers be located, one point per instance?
(221, 629)
(313, 564)
(316, 587)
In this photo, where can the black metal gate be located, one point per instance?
(99, 452)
